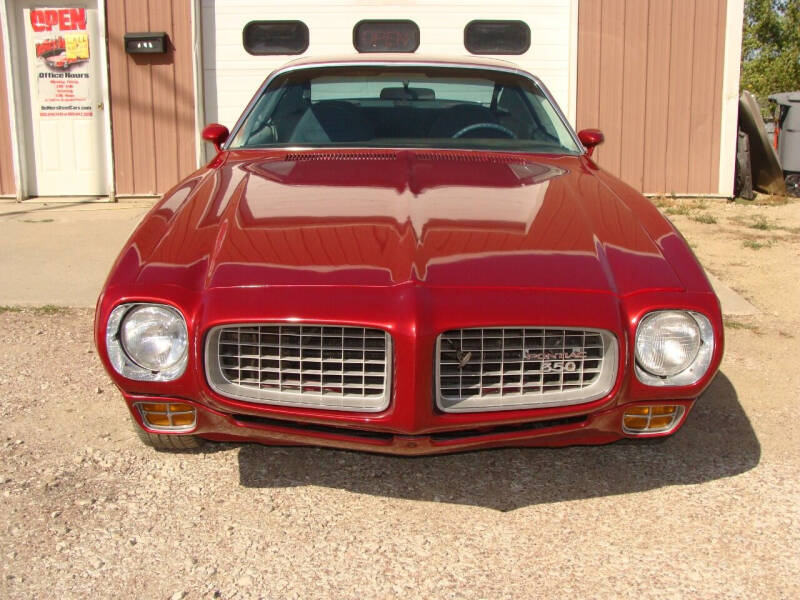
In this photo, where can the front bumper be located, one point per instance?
(414, 315)
(601, 427)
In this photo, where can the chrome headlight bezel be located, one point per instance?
(696, 369)
(119, 357)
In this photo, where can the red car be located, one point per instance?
(407, 256)
(50, 47)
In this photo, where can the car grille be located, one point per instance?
(313, 366)
(497, 368)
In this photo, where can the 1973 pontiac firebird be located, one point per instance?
(409, 257)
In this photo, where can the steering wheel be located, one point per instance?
(494, 126)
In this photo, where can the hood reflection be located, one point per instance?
(383, 218)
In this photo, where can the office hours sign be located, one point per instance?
(61, 62)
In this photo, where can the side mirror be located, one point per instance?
(216, 134)
(591, 138)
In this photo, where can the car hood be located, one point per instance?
(382, 218)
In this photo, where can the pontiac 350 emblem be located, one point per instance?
(557, 361)
(576, 354)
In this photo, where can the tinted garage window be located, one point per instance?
(386, 36)
(275, 37)
(497, 37)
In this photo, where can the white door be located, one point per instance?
(61, 46)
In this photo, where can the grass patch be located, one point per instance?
(37, 220)
(49, 309)
(761, 223)
(704, 218)
(679, 206)
(731, 323)
(757, 244)
(771, 199)
(764, 200)
(681, 209)
(659, 201)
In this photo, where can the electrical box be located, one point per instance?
(147, 42)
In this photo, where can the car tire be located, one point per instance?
(166, 441)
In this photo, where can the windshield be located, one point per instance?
(405, 107)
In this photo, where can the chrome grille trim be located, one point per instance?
(505, 368)
(332, 367)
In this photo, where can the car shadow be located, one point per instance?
(717, 441)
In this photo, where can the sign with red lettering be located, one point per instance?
(60, 61)
(60, 19)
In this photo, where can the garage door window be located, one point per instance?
(275, 37)
(497, 37)
(386, 36)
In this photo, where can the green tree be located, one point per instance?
(770, 48)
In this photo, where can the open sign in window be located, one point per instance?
(386, 36)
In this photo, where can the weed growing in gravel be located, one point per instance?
(659, 201)
(704, 218)
(757, 244)
(764, 200)
(672, 205)
(49, 309)
(731, 323)
(772, 199)
(11, 309)
(760, 222)
(681, 209)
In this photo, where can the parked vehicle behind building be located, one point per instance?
(787, 137)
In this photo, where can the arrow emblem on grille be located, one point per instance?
(463, 358)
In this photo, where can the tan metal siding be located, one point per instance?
(656, 98)
(7, 185)
(152, 97)
(650, 76)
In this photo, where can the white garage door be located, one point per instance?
(232, 75)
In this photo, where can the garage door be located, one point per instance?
(232, 75)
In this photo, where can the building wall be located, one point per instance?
(231, 75)
(7, 185)
(650, 75)
(152, 97)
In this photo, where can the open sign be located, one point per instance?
(62, 19)
(386, 36)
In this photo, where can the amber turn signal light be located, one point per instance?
(658, 418)
(171, 416)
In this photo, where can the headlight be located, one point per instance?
(673, 347)
(147, 342)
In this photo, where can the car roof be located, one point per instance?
(396, 58)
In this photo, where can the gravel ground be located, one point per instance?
(88, 512)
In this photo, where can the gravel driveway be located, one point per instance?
(88, 512)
